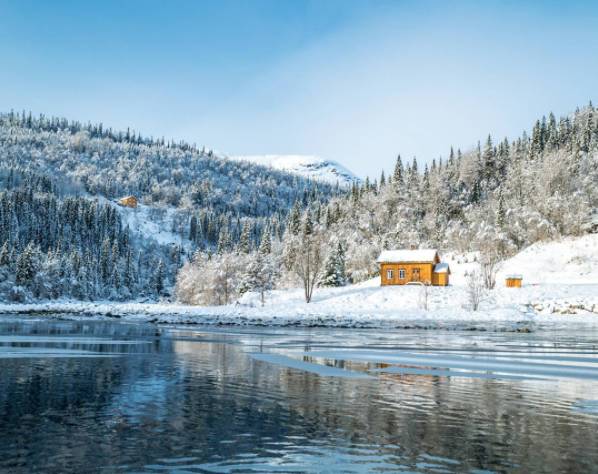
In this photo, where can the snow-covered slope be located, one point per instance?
(152, 223)
(572, 260)
(312, 167)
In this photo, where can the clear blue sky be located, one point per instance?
(356, 81)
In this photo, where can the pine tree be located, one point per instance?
(354, 193)
(193, 229)
(128, 277)
(397, 177)
(414, 180)
(245, 238)
(105, 260)
(500, 212)
(266, 242)
(588, 130)
(308, 226)
(334, 268)
(4, 255)
(223, 241)
(488, 165)
(159, 278)
(115, 257)
(259, 275)
(26, 266)
(294, 223)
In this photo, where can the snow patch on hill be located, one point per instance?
(308, 166)
(153, 223)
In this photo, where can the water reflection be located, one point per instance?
(201, 400)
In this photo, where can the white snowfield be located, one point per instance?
(560, 287)
(152, 222)
(308, 166)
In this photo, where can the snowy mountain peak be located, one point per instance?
(308, 166)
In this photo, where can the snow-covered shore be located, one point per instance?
(362, 305)
(560, 288)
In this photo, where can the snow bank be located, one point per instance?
(570, 260)
(366, 305)
(314, 316)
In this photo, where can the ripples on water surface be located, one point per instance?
(113, 397)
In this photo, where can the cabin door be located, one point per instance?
(415, 274)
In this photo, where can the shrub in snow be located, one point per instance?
(475, 289)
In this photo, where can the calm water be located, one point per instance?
(114, 397)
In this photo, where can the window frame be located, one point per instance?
(389, 273)
(402, 273)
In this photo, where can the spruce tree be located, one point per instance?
(193, 229)
(26, 266)
(266, 242)
(245, 238)
(159, 278)
(128, 278)
(294, 223)
(500, 212)
(223, 241)
(334, 268)
(4, 255)
(259, 275)
(308, 226)
(397, 176)
(105, 261)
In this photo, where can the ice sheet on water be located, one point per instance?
(450, 373)
(68, 340)
(322, 370)
(471, 362)
(586, 406)
(15, 352)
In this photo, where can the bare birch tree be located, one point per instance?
(308, 264)
(475, 289)
(489, 264)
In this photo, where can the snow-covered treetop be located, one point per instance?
(307, 166)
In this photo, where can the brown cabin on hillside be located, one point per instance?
(399, 267)
(127, 201)
(513, 281)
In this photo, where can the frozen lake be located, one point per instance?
(97, 396)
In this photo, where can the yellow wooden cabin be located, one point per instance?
(400, 267)
(513, 281)
(128, 201)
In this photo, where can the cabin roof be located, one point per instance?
(514, 276)
(404, 255)
(442, 268)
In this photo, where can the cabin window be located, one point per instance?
(389, 274)
(401, 274)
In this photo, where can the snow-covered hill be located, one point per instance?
(308, 166)
(571, 260)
